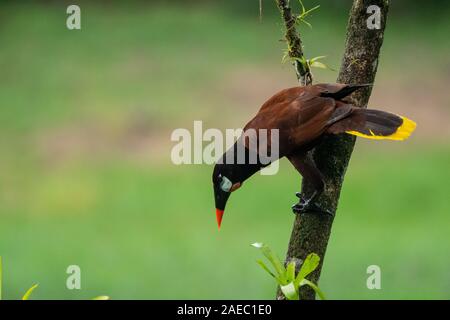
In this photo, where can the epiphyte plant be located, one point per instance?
(286, 277)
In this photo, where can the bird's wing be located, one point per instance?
(283, 97)
(312, 120)
(343, 110)
(300, 116)
(338, 91)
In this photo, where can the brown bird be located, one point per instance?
(303, 116)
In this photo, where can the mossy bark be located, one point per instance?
(311, 231)
(295, 47)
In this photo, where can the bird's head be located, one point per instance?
(224, 182)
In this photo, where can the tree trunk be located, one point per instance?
(311, 231)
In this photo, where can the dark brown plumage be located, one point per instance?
(302, 116)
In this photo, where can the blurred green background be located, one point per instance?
(85, 170)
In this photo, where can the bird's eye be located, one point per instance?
(226, 184)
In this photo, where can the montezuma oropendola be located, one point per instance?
(303, 115)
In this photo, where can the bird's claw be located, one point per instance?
(307, 205)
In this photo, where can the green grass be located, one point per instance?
(74, 188)
(151, 233)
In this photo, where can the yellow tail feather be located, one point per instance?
(402, 132)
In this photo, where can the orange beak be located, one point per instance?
(219, 215)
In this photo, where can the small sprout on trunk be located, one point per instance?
(286, 277)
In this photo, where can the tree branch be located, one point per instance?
(311, 232)
(294, 42)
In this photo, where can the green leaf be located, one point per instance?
(305, 13)
(274, 260)
(303, 7)
(314, 287)
(314, 63)
(317, 64)
(285, 56)
(290, 271)
(263, 265)
(316, 58)
(307, 23)
(321, 65)
(289, 291)
(101, 298)
(288, 282)
(27, 294)
(301, 60)
(301, 17)
(309, 265)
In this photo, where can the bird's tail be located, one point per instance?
(374, 124)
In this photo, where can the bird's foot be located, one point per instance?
(308, 205)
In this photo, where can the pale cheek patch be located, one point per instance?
(226, 184)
